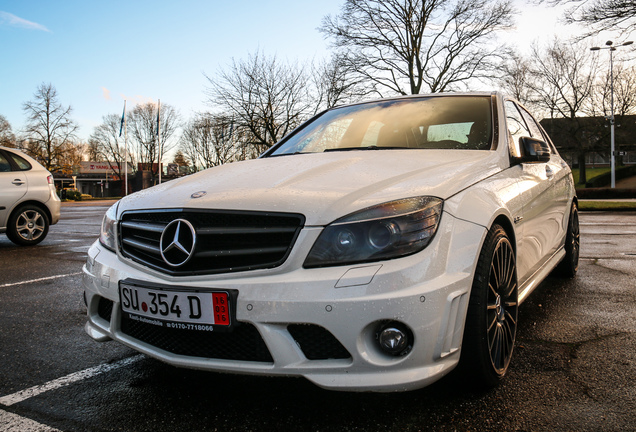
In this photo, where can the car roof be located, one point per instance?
(423, 96)
(34, 163)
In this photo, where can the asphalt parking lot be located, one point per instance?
(573, 369)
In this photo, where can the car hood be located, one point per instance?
(322, 186)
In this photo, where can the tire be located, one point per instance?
(491, 321)
(569, 265)
(28, 226)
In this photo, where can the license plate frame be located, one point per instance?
(202, 309)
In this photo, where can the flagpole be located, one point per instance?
(125, 152)
(123, 126)
(159, 135)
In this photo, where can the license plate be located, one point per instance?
(186, 310)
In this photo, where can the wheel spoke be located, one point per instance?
(503, 305)
(493, 322)
(496, 350)
(493, 272)
(510, 319)
(493, 289)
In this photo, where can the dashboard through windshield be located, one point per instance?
(458, 122)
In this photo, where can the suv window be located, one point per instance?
(5, 166)
(22, 163)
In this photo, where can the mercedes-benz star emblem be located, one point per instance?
(177, 243)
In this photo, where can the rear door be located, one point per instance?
(13, 186)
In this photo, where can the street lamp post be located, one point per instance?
(609, 45)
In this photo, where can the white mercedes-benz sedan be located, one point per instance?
(375, 248)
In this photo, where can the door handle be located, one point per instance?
(18, 182)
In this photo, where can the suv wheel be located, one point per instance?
(28, 226)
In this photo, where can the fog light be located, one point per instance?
(395, 339)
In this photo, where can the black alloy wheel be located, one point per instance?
(491, 322)
(568, 267)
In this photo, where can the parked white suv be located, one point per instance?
(28, 202)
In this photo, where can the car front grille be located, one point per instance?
(244, 342)
(226, 241)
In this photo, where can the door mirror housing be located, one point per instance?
(533, 150)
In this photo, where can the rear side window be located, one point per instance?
(5, 166)
(23, 164)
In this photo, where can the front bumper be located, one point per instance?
(428, 292)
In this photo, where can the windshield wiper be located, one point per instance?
(372, 147)
(286, 154)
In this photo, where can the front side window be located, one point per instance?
(455, 122)
(517, 128)
(536, 129)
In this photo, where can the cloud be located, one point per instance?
(11, 20)
(106, 93)
(138, 99)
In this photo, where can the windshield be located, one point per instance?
(451, 122)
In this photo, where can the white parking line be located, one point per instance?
(39, 280)
(64, 381)
(13, 422)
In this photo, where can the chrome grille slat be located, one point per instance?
(143, 246)
(218, 253)
(244, 230)
(144, 227)
(226, 241)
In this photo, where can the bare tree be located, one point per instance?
(516, 73)
(94, 151)
(414, 46)
(601, 15)
(562, 84)
(266, 98)
(142, 133)
(180, 159)
(335, 83)
(7, 138)
(71, 154)
(107, 143)
(49, 128)
(624, 92)
(563, 78)
(210, 140)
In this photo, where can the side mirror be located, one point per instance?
(533, 150)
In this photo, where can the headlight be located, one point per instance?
(385, 231)
(107, 236)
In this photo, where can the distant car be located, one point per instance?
(375, 248)
(28, 201)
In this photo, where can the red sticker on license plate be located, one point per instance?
(221, 310)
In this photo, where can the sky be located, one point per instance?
(98, 54)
